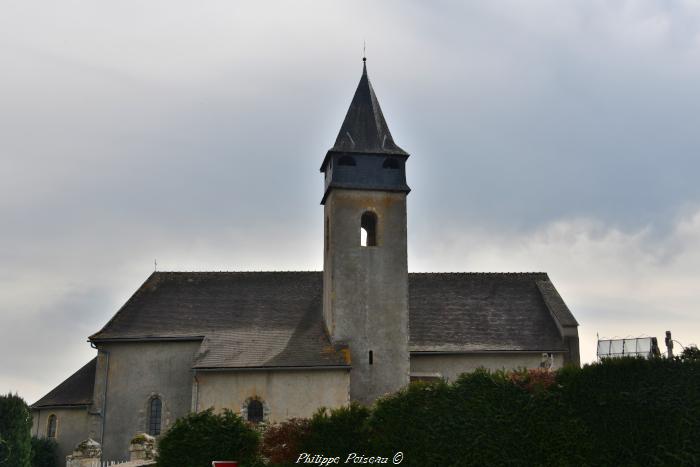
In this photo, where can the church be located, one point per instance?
(276, 345)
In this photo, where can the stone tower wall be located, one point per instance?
(366, 289)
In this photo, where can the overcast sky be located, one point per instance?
(544, 136)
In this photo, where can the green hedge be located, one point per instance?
(198, 438)
(44, 453)
(15, 429)
(618, 412)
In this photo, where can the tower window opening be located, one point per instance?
(347, 160)
(368, 229)
(390, 163)
(371, 357)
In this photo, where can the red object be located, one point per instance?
(224, 463)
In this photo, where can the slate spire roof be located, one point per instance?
(364, 128)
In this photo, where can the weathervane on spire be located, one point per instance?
(364, 51)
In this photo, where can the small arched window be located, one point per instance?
(155, 409)
(51, 426)
(347, 160)
(255, 411)
(368, 229)
(391, 163)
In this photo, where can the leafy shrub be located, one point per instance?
(44, 452)
(15, 432)
(282, 441)
(199, 438)
(338, 432)
(616, 412)
(481, 419)
(642, 412)
(691, 353)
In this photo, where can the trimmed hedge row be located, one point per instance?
(618, 412)
(621, 412)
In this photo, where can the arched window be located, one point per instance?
(368, 229)
(391, 163)
(347, 160)
(255, 411)
(51, 426)
(155, 409)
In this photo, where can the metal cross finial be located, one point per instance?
(155, 265)
(364, 51)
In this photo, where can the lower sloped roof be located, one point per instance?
(76, 391)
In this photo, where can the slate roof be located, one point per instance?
(484, 312)
(76, 391)
(246, 319)
(274, 319)
(364, 128)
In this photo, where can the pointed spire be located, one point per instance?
(364, 128)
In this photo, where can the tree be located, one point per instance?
(44, 452)
(691, 353)
(197, 439)
(15, 432)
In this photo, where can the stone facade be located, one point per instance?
(284, 394)
(130, 375)
(72, 426)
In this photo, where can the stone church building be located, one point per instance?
(276, 345)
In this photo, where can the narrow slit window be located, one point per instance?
(371, 357)
(51, 427)
(368, 229)
(154, 416)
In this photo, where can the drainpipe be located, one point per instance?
(103, 413)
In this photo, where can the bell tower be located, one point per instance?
(365, 271)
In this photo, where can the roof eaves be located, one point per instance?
(275, 368)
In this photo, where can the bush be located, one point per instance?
(44, 452)
(691, 353)
(616, 412)
(199, 438)
(338, 432)
(643, 412)
(282, 441)
(15, 432)
(482, 419)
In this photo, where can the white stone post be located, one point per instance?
(142, 447)
(85, 454)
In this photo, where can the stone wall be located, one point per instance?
(284, 393)
(365, 289)
(71, 427)
(134, 373)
